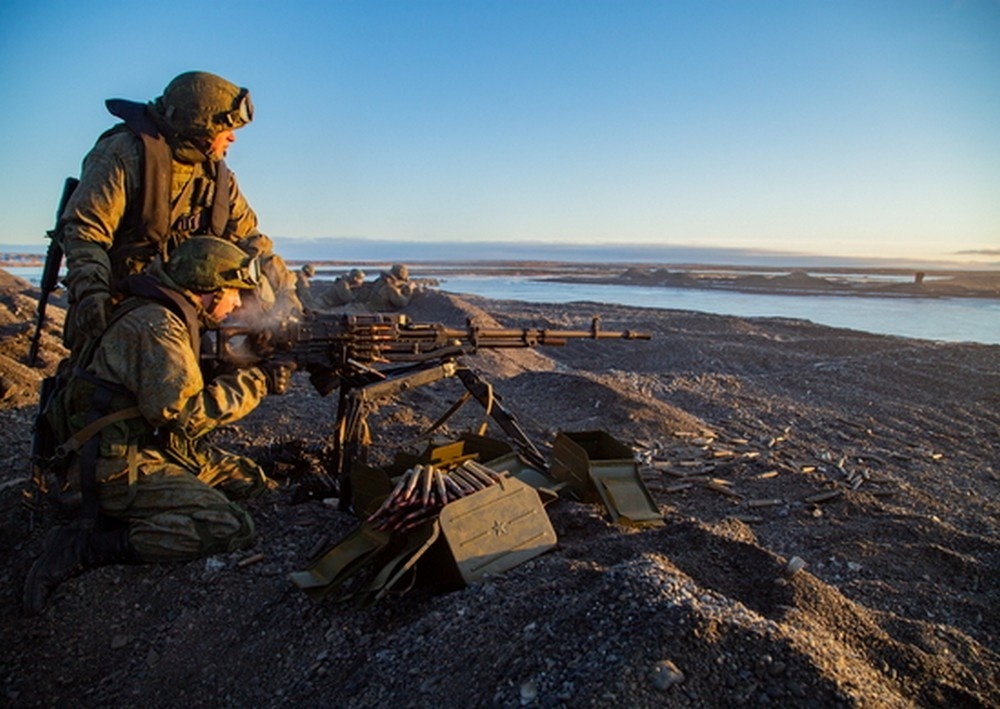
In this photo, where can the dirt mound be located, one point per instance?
(831, 512)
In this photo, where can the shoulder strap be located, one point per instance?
(220, 201)
(146, 288)
(154, 220)
(76, 441)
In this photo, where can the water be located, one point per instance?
(947, 319)
(32, 274)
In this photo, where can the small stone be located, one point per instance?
(794, 566)
(529, 692)
(666, 674)
(119, 641)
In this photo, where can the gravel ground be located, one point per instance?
(767, 444)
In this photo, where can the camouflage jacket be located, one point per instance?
(389, 293)
(304, 290)
(340, 292)
(98, 216)
(148, 352)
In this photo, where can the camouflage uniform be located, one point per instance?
(392, 290)
(128, 424)
(101, 235)
(345, 289)
(173, 491)
(304, 288)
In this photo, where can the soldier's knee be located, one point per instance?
(224, 530)
(244, 536)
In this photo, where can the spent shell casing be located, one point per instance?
(823, 496)
(770, 502)
(722, 489)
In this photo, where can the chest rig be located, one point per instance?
(150, 228)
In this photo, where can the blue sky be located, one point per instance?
(849, 128)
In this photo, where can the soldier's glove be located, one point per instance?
(278, 374)
(92, 313)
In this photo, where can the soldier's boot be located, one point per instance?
(67, 552)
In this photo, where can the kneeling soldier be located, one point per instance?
(132, 419)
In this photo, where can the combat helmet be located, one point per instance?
(400, 271)
(356, 275)
(309, 270)
(198, 104)
(206, 263)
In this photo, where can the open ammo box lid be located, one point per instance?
(598, 468)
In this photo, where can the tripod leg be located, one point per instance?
(484, 394)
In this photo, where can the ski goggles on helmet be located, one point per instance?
(241, 113)
(247, 276)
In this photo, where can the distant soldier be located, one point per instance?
(150, 183)
(392, 290)
(303, 287)
(346, 289)
(132, 418)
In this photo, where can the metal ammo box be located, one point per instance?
(489, 532)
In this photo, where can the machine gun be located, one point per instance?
(373, 357)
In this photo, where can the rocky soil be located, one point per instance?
(831, 537)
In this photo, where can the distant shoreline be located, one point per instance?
(769, 280)
(799, 283)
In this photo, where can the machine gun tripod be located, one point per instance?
(365, 386)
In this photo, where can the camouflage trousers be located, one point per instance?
(176, 513)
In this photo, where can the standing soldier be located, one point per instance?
(132, 418)
(153, 181)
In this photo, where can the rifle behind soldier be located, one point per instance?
(50, 274)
